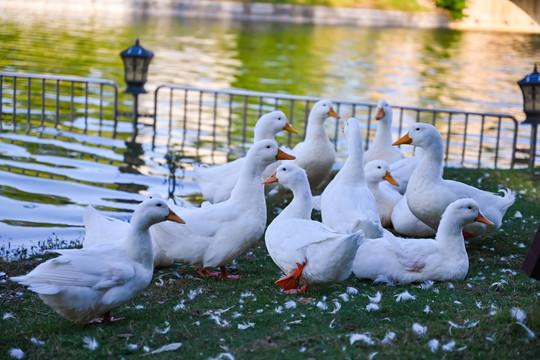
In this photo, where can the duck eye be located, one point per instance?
(268, 146)
(279, 118)
(469, 207)
(417, 129)
(158, 205)
(284, 169)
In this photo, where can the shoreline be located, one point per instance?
(504, 16)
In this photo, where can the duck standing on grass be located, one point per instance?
(306, 250)
(216, 182)
(428, 194)
(84, 284)
(216, 234)
(316, 154)
(402, 261)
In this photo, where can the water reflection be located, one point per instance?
(47, 181)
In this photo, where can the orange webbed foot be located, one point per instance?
(291, 281)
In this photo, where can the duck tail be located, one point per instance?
(508, 198)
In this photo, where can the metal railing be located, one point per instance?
(216, 125)
(34, 102)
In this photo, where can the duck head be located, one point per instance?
(288, 175)
(383, 111)
(377, 171)
(152, 211)
(466, 211)
(421, 135)
(270, 124)
(322, 109)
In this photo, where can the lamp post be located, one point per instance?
(530, 87)
(136, 60)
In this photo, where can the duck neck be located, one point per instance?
(248, 189)
(353, 169)
(138, 243)
(261, 133)
(450, 236)
(302, 203)
(432, 159)
(383, 135)
(315, 129)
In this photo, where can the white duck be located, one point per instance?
(346, 203)
(306, 250)
(216, 234)
(428, 194)
(377, 171)
(316, 154)
(381, 147)
(402, 261)
(216, 182)
(402, 170)
(406, 224)
(102, 229)
(83, 284)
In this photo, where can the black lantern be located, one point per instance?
(530, 87)
(136, 60)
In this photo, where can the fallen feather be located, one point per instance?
(361, 337)
(132, 346)
(352, 290)
(16, 353)
(518, 314)
(180, 306)
(331, 325)
(223, 356)
(449, 346)
(462, 348)
(427, 309)
(90, 343)
(247, 294)
(168, 347)
(279, 309)
(530, 333)
(479, 304)
(165, 330)
(450, 285)
(433, 345)
(427, 284)
(244, 326)
(236, 315)
(139, 307)
(518, 214)
(457, 302)
(375, 299)
(193, 293)
(337, 306)
(404, 296)
(322, 305)
(291, 304)
(372, 307)
(372, 355)
(160, 282)
(419, 329)
(344, 297)
(8, 316)
(388, 338)
(37, 341)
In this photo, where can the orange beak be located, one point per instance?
(482, 219)
(173, 217)
(380, 114)
(333, 114)
(390, 179)
(405, 139)
(282, 155)
(290, 129)
(271, 179)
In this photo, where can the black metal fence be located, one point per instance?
(214, 126)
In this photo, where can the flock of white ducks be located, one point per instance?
(118, 258)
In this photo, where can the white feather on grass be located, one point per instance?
(16, 353)
(388, 338)
(404, 296)
(165, 329)
(291, 304)
(168, 347)
(245, 325)
(372, 307)
(365, 338)
(449, 346)
(419, 329)
(8, 316)
(433, 345)
(37, 341)
(376, 298)
(90, 343)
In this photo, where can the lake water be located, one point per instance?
(45, 183)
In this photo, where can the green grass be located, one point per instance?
(481, 304)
